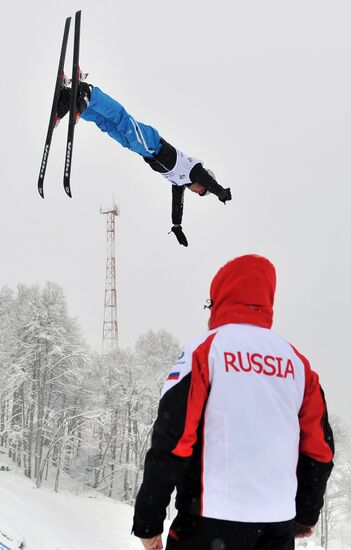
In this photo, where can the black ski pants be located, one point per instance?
(190, 532)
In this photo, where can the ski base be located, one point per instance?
(60, 79)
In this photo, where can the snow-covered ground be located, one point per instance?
(62, 521)
(46, 520)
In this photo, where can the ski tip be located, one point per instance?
(41, 192)
(68, 191)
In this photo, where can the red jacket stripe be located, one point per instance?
(311, 417)
(198, 393)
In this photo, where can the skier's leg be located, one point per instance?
(111, 117)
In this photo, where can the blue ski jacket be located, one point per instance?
(111, 117)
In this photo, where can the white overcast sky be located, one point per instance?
(261, 91)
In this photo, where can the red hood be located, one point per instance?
(242, 291)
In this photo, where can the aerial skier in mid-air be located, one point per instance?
(181, 170)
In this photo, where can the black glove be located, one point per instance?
(225, 195)
(181, 238)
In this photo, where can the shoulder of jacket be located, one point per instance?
(201, 339)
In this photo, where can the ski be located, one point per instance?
(59, 83)
(5, 541)
(72, 115)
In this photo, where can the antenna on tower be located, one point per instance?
(110, 328)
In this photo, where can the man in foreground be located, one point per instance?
(242, 430)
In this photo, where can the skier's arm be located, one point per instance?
(316, 451)
(175, 432)
(177, 213)
(163, 163)
(177, 204)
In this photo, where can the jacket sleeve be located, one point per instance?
(164, 162)
(316, 450)
(181, 407)
(177, 204)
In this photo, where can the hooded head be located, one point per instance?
(242, 291)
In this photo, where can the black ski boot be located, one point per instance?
(63, 103)
(83, 98)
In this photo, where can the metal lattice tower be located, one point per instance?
(110, 328)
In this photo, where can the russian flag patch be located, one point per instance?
(173, 375)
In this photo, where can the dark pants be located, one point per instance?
(197, 533)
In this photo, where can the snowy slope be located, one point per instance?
(49, 521)
(63, 521)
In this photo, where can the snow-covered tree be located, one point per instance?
(64, 411)
(337, 501)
